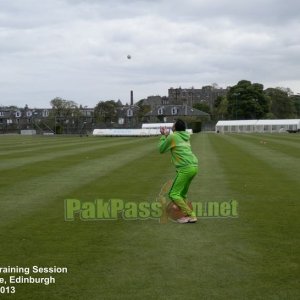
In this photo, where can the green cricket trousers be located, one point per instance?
(180, 187)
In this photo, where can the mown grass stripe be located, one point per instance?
(8, 143)
(291, 149)
(54, 145)
(274, 140)
(286, 161)
(60, 162)
(251, 174)
(210, 175)
(283, 136)
(142, 183)
(26, 196)
(47, 156)
(268, 214)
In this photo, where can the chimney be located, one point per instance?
(131, 98)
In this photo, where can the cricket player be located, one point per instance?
(186, 164)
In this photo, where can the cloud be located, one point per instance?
(78, 49)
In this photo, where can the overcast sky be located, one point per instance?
(77, 49)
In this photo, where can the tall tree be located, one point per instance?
(296, 102)
(221, 108)
(281, 105)
(64, 108)
(106, 111)
(247, 100)
(203, 107)
(287, 90)
(143, 109)
(64, 112)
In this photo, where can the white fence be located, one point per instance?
(148, 129)
(157, 125)
(126, 132)
(28, 132)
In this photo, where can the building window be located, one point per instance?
(45, 113)
(129, 113)
(18, 114)
(1, 114)
(160, 111)
(164, 101)
(174, 111)
(29, 113)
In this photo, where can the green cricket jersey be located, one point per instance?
(179, 145)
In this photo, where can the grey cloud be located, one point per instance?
(77, 49)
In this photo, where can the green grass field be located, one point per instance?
(253, 256)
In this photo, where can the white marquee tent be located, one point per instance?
(247, 126)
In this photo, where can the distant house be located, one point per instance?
(169, 113)
(154, 101)
(190, 96)
(13, 119)
(86, 112)
(21, 118)
(128, 115)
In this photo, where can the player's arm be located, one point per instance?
(165, 142)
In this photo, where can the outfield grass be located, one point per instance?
(254, 256)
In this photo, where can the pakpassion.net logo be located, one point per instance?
(161, 209)
(114, 209)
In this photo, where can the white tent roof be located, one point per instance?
(157, 125)
(279, 122)
(259, 122)
(236, 122)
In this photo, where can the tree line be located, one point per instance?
(246, 101)
(243, 101)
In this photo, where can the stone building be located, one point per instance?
(169, 113)
(128, 116)
(13, 118)
(190, 96)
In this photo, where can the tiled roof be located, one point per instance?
(182, 110)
